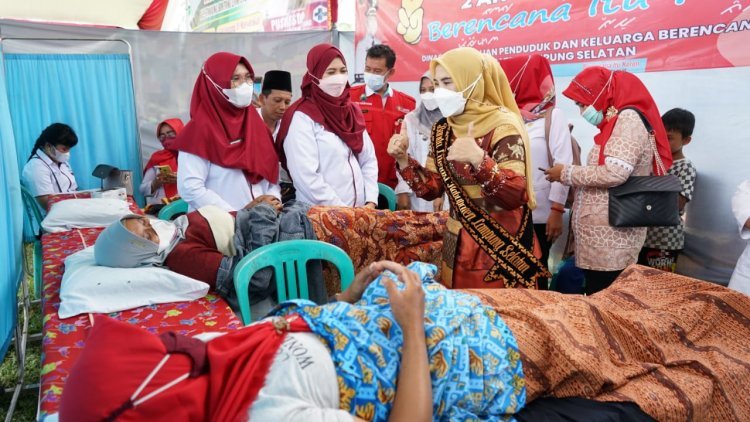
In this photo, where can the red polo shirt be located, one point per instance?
(382, 122)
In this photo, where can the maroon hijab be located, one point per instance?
(223, 134)
(336, 114)
(624, 91)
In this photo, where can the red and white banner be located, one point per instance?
(637, 35)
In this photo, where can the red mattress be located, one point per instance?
(64, 339)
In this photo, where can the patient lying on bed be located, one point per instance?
(207, 244)
(665, 346)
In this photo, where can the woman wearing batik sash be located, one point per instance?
(480, 157)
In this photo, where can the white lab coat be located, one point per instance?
(740, 280)
(151, 197)
(202, 183)
(42, 176)
(419, 148)
(324, 169)
(562, 153)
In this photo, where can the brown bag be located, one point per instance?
(576, 153)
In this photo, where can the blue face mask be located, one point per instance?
(592, 116)
(589, 113)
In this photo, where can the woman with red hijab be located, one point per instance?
(227, 158)
(618, 104)
(534, 89)
(322, 140)
(160, 173)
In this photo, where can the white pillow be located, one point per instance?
(83, 213)
(90, 288)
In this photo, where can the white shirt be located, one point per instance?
(324, 169)
(740, 280)
(151, 197)
(202, 183)
(419, 147)
(301, 385)
(562, 153)
(278, 124)
(283, 175)
(45, 177)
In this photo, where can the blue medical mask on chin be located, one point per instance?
(591, 115)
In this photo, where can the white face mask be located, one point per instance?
(428, 99)
(166, 231)
(333, 85)
(62, 157)
(373, 81)
(452, 103)
(240, 97)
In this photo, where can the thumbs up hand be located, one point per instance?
(399, 145)
(466, 150)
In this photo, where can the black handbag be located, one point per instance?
(646, 201)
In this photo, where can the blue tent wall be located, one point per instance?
(11, 212)
(93, 93)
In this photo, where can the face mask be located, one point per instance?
(240, 97)
(428, 99)
(334, 85)
(452, 103)
(590, 114)
(62, 157)
(166, 231)
(373, 81)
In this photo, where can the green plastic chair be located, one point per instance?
(33, 214)
(289, 262)
(389, 195)
(173, 210)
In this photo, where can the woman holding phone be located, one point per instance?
(160, 173)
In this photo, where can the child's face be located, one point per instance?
(676, 140)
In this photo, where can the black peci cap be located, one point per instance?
(277, 79)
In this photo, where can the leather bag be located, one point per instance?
(646, 201)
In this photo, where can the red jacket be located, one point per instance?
(382, 123)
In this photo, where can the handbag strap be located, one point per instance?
(651, 140)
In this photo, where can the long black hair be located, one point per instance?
(55, 134)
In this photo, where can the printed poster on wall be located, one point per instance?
(634, 35)
(248, 15)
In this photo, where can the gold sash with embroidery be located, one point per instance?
(513, 261)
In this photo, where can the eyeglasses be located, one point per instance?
(165, 135)
(237, 79)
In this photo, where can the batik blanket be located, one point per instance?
(676, 346)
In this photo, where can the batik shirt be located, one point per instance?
(475, 364)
